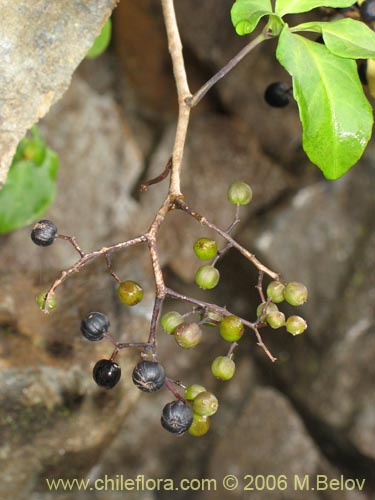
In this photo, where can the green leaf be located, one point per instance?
(283, 7)
(101, 42)
(344, 38)
(28, 191)
(335, 114)
(246, 14)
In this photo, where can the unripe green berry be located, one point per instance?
(275, 291)
(223, 367)
(170, 321)
(295, 325)
(295, 293)
(200, 425)
(130, 292)
(207, 277)
(192, 391)
(34, 151)
(231, 328)
(52, 301)
(263, 311)
(239, 193)
(275, 319)
(188, 335)
(205, 404)
(205, 249)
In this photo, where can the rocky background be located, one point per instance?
(313, 411)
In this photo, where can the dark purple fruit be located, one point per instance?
(106, 373)
(44, 233)
(367, 10)
(277, 94)
(149, 376)
(94, 326)
(176, 417)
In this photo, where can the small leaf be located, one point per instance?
(344, 38)
(335, 114)
(101, 41)
(246, 14)
(28, 191)
(283, 7)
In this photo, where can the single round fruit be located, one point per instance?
(130, 292)
(52, 301)
(295, 325)
(262, 311)
(277, 94)
(188, 335)
(275, 291)
(223, 367)
(192, 391)
(106, 373)
(200, 425)
(44, 233)
(275, 319)
(176, 417)
(205, 249)
(231, 328)
(205, 404)
(94, 326)
(207, 277)
(295, 293)
(239, 193)
(149, 376)
(170, 321)
(367, 10)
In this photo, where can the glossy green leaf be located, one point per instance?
(283, 7)
(335, 114)
(246, 14)
(28, 191)
(101, 42)
(344, 38)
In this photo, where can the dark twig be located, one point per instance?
(72, 240)
(159, 178)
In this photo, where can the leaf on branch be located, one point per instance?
(283, 7)
(344, 38)
(335, 114)
(246, 14)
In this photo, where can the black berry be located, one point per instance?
(149, 376)
(94, 326)
(177, 417)
(277, 94)
(106, 373)
(44, 233)
(367, 10)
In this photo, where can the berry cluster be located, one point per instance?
(191, 409)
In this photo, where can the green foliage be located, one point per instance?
(31, 184)
(335, 114)
(101, 41)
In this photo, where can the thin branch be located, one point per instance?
(259, 286)
(228, 246)
(110, 268)
(144, 187)
(72, 240)
(154, 319)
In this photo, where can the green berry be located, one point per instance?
(207, 277)
(239, 193)
(170, 321)
(205, 404)
(223, 367)
(212, 318)
(130, 293)
(205, 249)
(192, 391)
(200, 425)
(41, 301)
(295, 325)
(275, 319)
(262, 311)
(231, 328)
(295, 293)
(275, 291)
(188, 335)
(34, 151)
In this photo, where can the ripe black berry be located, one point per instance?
(149, 376)
(177, 417)
(277, 94)
(94, 326)
(367, 11)
(106, 373)
(44, 233)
